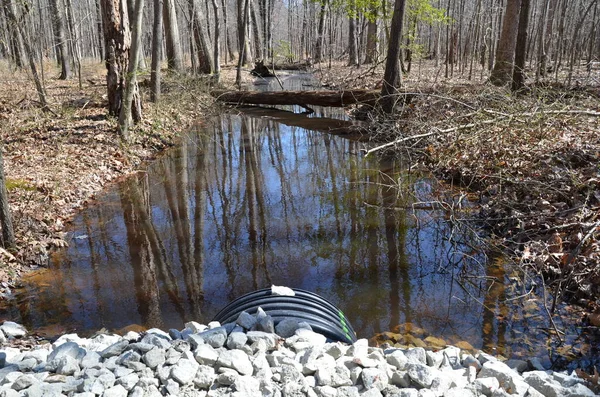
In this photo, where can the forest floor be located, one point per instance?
(56, 162)
(531, 160)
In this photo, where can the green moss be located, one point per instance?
(12, 184)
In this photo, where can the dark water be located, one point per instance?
(247, 201)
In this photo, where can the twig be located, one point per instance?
(577, 249)
(558, 332)
(400, 140)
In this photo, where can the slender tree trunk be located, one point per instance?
(391, 77)
(256, 35)
(76, 51)
(8, 234)
(518, 80)
(318, 55)
(29, 53)
(352, 50)
(60, 40)
(101, 49)
(117, 40)
(372, 33)
(156, 51)
(217, 39)
(505, 55)
(15, 40)
(229, 49)
(131, 105)
(243, 28)
(202, 55)
(173, 42)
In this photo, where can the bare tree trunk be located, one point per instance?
(60, 41)
(505, 55)
(132, 102)
(20, 26)
(75, 49)
(372, 33)
(242, 28)
(117, 41)
(101, 48)
(203, 56)
(173, 43)
(257, 36)
(217, 39)
(352, 51)
(229, 49)
(391, 77)
(8, 234)
(156, 51)
(15, 40)
(518, 79)
(318, 55)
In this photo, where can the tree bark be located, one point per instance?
(15, 41)
(372, 32)
(156, 51)
(173, 42)
(117, 41)
(60, 41)
(505, 54)
(391, 77)
(318, 56)
(518, 79)
(217, 39)
(132, 103)
(352, 50)
(205, 62)
(8, 234)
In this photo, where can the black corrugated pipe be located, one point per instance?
(306, 306)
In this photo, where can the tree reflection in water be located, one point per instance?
(248, 202)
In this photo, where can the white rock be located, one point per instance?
(128, 381)
(184, 371)
(236, 340)
(235, 359)
(486, 386)
(115, 391)
(544, 383)
(508, 378)
(459, 392)
(416, 355)
(205, 377)
(372, 393)
(398, 359)
(421, 374)
(154, 357)
(283, 291)
(374, 378)
(326, 391)
(247, 385)
(13, 330)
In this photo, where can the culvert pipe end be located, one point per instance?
(305, 306)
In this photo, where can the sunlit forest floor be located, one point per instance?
(531, 161)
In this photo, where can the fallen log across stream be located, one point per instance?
(302, 98)
(355, 130)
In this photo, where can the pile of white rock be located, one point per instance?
(242, 360)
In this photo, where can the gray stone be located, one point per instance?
(335, 350)
(174, 334)
(271, 340)
(426, 393)
(544, 383)
(206, 354)
(246, 320)
(115, 349)
(236, 340)
(374, 378)
(115, 391)
(421, 374)
(154, 357)
(227, 378)
(287, 327)
(71, 349)
(171, 388)
(336, 377)
(264, 322)
(67, 365)
(214, 337)
(13, 330)
(452, 354)
(434, 359)
(235, 359)
(195, 327)
(441, 384)
(416, 355)
(536, 364)
(508, 378)
(518, 365)
(410, 392)
(156, 340)
(142, 347)
(326, 391)
(128, 357)
(27, 364)
(205, 376)
(24, 381)
(459, 392)
(184, 371)
(486, 386)
(484, 357)
(348, 391)
(247, 385)
(470, 361)
(580, 390)
(398, 359)
(128, 381)
(400, 378)
(374, 392)
(91, 360)
(102, 382)
(172, 356)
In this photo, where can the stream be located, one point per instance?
(256, 197)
